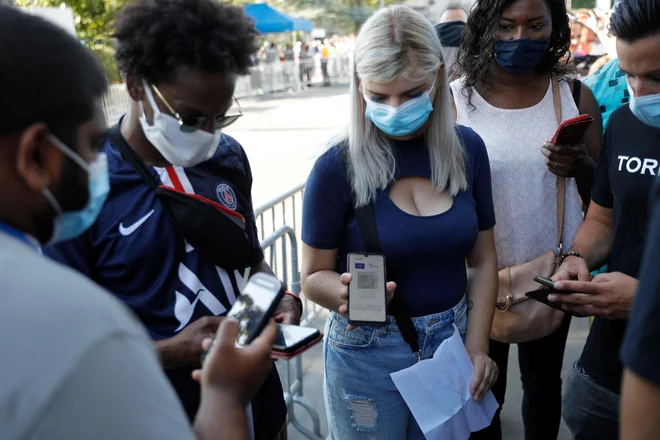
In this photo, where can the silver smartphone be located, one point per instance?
(367, 295)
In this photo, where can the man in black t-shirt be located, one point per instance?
(615, 229)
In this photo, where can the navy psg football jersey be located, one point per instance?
(135, 251)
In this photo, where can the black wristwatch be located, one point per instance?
(570, 254)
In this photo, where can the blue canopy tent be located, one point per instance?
(270, 21)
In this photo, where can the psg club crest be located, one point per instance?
(227, 196)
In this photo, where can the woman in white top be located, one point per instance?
(509, 51)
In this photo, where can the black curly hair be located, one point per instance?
(475, 60)
(156, 37)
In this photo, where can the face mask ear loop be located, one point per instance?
(150, 98)
(51, 199)
(69, 153)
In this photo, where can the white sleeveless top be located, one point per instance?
(524, 190)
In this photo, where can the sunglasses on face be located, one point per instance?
(190, 124)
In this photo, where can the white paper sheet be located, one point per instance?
(437, 391)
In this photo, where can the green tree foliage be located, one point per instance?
(338, 16)
(93, 18)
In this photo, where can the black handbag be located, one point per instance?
(217, 233)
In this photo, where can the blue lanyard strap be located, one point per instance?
(17, 234)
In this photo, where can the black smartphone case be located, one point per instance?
(542, 297)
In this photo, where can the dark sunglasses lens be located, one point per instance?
(191, 124)
(226, 121)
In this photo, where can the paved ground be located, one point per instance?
(283, 135)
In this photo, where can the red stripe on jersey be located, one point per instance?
(175, 179)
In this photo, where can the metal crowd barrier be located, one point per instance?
(263, 78)
(281, 217)
(285, 210)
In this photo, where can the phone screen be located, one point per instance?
(366, 299)
(293, 336)
(252, 308)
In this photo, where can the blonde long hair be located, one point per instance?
(399, 41)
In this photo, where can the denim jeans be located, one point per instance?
(591, 411)
(361, 400)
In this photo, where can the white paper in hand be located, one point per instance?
(437, 392)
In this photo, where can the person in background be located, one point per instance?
(272, 54)
(510, 53)
(449, 30)
(610, 87)
(181, 77)
(288, 53)
(576, 33)
(325, 59)
(614, 232)
(76, 363)
(306, 64)
(428, 183)
(590, 49)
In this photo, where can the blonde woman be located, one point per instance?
(429, 185)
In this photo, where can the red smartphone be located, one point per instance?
(294, 340)
(572, 131)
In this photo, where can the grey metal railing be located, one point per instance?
(278, 222)
(285, 210)
(294, 367)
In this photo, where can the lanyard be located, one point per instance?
(12, 232)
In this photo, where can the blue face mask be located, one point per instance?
(519, 56)
(646, 108)
(402, 120)
(69, 225)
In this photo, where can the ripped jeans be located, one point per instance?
(361, 399)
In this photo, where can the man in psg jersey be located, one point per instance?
(181, 59)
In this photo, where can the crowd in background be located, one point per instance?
(591, 46)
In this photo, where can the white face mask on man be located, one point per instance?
(179, 148)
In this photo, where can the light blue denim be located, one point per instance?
(360, 397)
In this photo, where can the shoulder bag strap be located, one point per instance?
(577, 90)
(561, 182)
(115, 136)
(131, 156)
(366, 220)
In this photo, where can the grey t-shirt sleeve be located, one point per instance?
(117, 391)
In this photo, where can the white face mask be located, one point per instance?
(177, 147)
